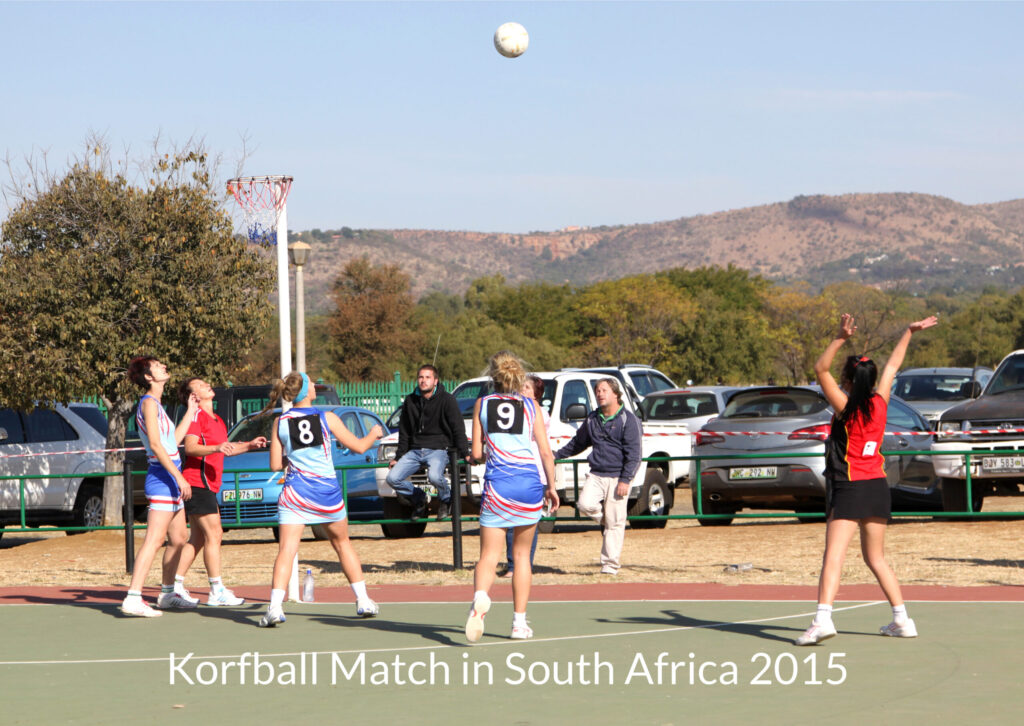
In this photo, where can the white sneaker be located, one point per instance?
(816, 633)
(367, 608)
(906, 630)
(475, 621)
(521, 632)
(184, 594)
(169, 600)
(137, 607)
(224, 598)
(272, 617)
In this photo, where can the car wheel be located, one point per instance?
(88, 508)
(655, 499)
(319, 531)
(711, 507)
(954, 495)
(394, 510)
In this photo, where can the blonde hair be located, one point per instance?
(287, 389)
(507, 371)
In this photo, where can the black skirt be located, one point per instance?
(859, 499)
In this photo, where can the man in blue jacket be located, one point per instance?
(614, 436)
(430, 424)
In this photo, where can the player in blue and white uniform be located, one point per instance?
(513, 492)
(166, 489)
(311, 493)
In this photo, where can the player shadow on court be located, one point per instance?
(675, 619)
(442, 634)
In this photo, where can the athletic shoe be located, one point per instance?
(475, 621)
(506, 575)
(521, 632)
(169, 600)
(137, 607)
(444, 509)
(906, 630)
(272, 617)
(367, 608)
(184, 594)
(224, 598)
(816, 633)
(609, 571)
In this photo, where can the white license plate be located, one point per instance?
(244, 495)
(754, 472)
(1002, 463)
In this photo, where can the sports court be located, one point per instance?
(649, 653)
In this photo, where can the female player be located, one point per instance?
(858, 491)
(533, 389)
(311, 494)
(206, 445)
(166, 489)
(513, 493)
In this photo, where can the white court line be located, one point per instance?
(419, 648)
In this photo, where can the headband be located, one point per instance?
(304, 391)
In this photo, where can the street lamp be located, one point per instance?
(298, 252)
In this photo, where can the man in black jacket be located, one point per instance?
(430, 424)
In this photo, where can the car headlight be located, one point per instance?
(951, 428)
(386, 452)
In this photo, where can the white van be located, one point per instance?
(51, 434)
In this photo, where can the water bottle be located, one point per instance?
(307, 587)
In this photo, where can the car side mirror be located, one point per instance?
(576, 412)
(975, 389)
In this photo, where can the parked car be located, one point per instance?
(638, 380)
(231, 403)
(933, 390)
(998, 415)
(254, 501)
(54, 432)
(693, 407)
(803, 419)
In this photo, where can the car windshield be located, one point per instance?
(933, 387)
(774, 403)
(1009, 377)
(679, 405)
(253, 426)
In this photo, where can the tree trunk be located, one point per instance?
(118, 412)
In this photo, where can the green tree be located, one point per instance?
(98, 269)
(371, 329)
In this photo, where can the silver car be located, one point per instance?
(934, 390)
(785, 466)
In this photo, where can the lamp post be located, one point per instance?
(299, 254)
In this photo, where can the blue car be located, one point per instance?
(256, 499)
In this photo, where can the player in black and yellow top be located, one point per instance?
(858, 491)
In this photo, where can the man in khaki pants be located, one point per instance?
(613, 434)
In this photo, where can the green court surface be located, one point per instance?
(592, 662)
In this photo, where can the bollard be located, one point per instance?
(453, 467)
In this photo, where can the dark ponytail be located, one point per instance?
(862, 373)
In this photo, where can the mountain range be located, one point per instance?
(917, 241)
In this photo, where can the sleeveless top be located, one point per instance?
(855, 445)
(306, 441)
(507, 422)
(165, 435)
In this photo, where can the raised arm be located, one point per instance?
(892, 366)
(823, 367)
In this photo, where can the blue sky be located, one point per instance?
(402, 115)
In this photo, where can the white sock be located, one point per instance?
(276, 598)
(179, 582)
(824, 614)
(216, 584)
(518, 619)
(359, 588)
(164, 589)
(479, 593)
(135, 593)
(899, 614)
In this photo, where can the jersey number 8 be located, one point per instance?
(305, 431)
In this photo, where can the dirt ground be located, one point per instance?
(923, 551)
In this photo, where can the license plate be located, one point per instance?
(754, 472)
(1002, 463)
(244, 495)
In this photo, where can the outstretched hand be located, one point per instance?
(922, 324)
(847, 327)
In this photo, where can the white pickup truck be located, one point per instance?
(568, 398)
